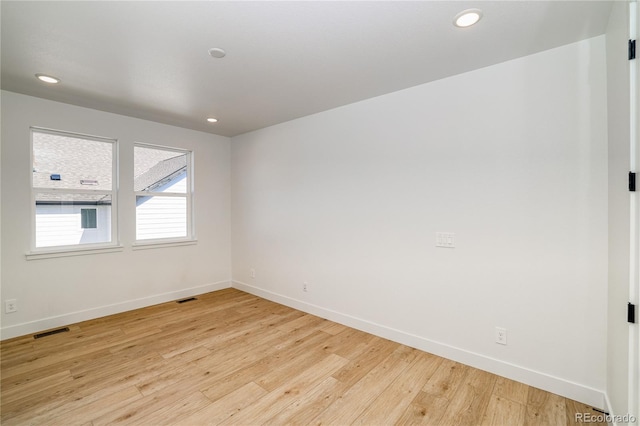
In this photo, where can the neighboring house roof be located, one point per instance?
(74, 159)
(86, 161)
(163, 173)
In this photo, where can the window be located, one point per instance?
(163, 190)
(73, 189)
(88, 218)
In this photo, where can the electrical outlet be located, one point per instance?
(501, 335)
(252, 273)
(305, 287)
(10, 306)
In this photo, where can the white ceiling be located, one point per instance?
(284, 59)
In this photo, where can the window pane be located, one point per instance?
(161, 217)
(59, 219)
(89, 218)
(69, 162)
(160, 170)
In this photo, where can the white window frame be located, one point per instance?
(75, 249)
(190, 238)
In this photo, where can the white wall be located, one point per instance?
(511, 158)
(58, 291)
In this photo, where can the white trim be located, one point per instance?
(67, 133)
(72, 191)
(101, 311)
(154, 244)
(115, 187)
(633, 404)
(191, 176)
(557, 385)
(32, 236)
(75, 251)
(160, 194)
(161, 147)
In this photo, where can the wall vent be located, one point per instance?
(51, 332)
(190, 299)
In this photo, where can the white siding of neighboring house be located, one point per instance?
(163, 217)
(157, 217)
(62, 226)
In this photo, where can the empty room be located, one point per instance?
(319, 212)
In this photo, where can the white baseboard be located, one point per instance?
(101, 311)
(559, 386)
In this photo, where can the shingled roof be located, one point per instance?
(83, 167)
(161, 174)
(73, 159)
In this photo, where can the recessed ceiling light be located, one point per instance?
(212, 120)
(216, 52)
(467, 18)
(48, 79)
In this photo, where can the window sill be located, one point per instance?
(35, 255)
(161, 244)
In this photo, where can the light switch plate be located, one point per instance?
(445, 239)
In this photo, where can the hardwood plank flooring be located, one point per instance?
(233, 358)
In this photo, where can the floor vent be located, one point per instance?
(190, 299)
(51, 332)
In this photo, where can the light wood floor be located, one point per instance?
(233, 358)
